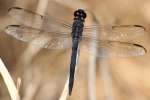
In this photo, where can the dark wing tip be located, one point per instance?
(19, 8)
(141, 47)
(9, 9)
(140, 26)
(12, 26)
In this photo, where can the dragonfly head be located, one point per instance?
(80, 15)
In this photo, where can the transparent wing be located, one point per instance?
(56, 34)
(112, 48)
(56, 40)
(32, 19)
(50, 23)
(52, 40)
(115, 32)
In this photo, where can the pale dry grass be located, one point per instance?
(13, 91)
(43, 73)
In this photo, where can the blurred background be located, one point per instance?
(44, 72)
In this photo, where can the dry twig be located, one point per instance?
(9, 82)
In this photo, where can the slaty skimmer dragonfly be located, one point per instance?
(65, 35)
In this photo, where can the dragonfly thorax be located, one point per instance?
(77, 29)
(80, 15)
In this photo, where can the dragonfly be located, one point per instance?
(75, 34)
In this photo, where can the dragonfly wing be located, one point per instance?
(60, 42)
(115, 32)
(33, 19)
(22, 33)
(40, 38)
(53, 24)
(112, 48)
(25, 17)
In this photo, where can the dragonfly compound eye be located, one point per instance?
(80, 13)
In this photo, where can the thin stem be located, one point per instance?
(9, 82)
(106, 77)
(92, 70)
(64, 94)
